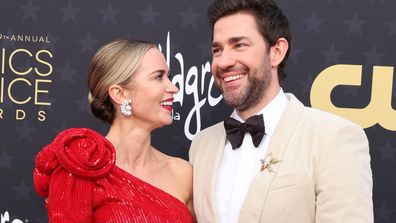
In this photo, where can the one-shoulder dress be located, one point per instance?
(78, 176)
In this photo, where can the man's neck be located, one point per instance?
(247, 113)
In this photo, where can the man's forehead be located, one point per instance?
(235, 25)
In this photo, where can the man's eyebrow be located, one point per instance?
(237, 39)
(214, 44)
(231, 40)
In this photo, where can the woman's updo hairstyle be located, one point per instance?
(114, 63)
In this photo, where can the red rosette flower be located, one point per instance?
(83, 152)
(46, 163)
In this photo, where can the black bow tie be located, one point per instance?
(236, 130)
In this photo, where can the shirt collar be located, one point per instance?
(272, 112)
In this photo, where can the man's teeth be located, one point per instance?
(234, 77)
(166, 103)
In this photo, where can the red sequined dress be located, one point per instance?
(78, 176)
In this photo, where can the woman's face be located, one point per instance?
(152, 91)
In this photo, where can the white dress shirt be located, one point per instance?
(239, 167)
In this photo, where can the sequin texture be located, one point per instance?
(78, 176)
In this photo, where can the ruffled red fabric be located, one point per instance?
(81, 151)
(78, 176)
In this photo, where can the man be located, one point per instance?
(303, 166)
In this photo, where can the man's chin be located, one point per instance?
(233, 101)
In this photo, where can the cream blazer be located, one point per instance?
(324, 174)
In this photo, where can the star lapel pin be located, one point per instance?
(267, 162)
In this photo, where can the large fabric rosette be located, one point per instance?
(67, 168)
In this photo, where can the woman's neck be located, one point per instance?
(133, 146)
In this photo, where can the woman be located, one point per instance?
(121, 178)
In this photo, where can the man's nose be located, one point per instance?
(226, 60)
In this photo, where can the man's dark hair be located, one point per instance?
(270, 20)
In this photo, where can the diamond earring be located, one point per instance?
(126, 108)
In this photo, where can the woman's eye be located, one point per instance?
(159, 76)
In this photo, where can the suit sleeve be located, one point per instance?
(344, 179)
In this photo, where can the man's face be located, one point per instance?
(241, 65)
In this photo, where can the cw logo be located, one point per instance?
(379, 110)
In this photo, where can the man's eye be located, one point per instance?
(238, 45)
(215, 51)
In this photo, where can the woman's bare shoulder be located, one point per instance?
(179, 166)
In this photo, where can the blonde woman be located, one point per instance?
(86, 177)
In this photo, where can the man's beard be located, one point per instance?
(253, 92)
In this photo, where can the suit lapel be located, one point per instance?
(260, 186)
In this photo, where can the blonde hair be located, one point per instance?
(114, 63)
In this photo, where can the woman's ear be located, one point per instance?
(278, 51)
(116, 94)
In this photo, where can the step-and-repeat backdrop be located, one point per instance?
(342, 61)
